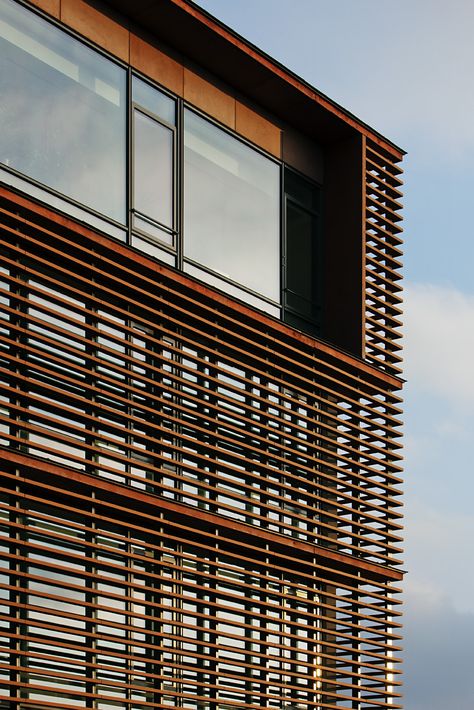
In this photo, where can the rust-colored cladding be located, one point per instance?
(156, 64)
(99, 28)
(200, 505)
(52, 7)
(257, 129)
(209, 98)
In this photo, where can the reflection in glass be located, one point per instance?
(153, 101)
(153, 170)
(231, 207)
(154, 249)
(62, 112)
(152, 230)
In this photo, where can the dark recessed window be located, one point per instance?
(302, 254)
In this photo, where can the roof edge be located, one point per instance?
(277, 67)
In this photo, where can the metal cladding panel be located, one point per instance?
(199, 503)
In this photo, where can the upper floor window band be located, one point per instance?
(63, 112)
(64, 128)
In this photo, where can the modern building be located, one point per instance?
(199, 372)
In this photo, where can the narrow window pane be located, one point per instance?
(302, 297)
(62, 112)
(301, 262)
(231, 203)
(154, 101)
(153, 169)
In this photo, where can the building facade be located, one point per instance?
(199, 372)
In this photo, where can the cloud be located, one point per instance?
(439, 548)
(439, 329)
(438, 654)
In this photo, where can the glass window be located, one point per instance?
(231, 208)
(302, 287)
(154, 101)
(62, 112)
(153, 174)
(153, 162)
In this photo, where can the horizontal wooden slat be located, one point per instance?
(336, 611)
(198, 504)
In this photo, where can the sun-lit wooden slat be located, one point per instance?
(382, 242)
(197, 503)
(152, 395)
(248, 623)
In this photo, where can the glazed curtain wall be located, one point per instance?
(64, 126)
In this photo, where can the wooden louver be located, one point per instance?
(197, 502)
(382, 258)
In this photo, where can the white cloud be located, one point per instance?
(439, 550)
(439, 328)
(438, 611)
(438, 655)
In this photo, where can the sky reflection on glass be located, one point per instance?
(154, 101)
(74, 139)
(231, 207)
(153, 169)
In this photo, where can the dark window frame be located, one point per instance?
(291, 315)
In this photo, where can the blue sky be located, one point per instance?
(407, 69)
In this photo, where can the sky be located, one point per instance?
(407, 69)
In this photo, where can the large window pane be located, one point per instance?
(62, 112)
(231, 205)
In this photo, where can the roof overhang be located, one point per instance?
(188, 29)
